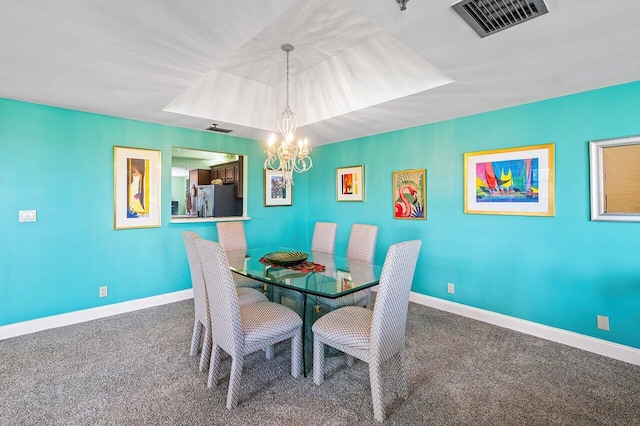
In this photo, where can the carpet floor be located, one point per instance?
(135, 369)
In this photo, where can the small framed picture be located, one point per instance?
(277, 192)
(136, 187)
(350, 183)
(409, 194)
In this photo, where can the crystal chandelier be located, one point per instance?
(285, 155)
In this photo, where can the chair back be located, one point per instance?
(324, 237)
(200, 299)
(224, 307)
(362, 242)
(392, 301)
(231, 235)
(236, 259)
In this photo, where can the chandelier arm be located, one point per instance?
(303, 164)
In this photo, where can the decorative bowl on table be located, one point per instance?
(286, 258)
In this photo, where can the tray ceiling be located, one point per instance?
(360, 67)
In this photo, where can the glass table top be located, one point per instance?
(339, 277)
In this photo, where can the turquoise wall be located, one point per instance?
(560, 271)
(60, 163)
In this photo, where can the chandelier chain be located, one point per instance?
(288, 81)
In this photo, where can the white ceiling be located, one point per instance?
(136, 58)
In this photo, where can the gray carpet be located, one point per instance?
(134, 369)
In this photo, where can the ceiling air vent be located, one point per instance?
(487, 17)
(214, 128)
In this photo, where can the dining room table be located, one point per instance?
(306, 273)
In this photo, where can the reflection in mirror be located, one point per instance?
(615, 173)
(206, 184)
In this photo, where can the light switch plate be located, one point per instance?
(603, 322)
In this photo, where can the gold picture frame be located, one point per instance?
(409, 194)
(136, 188)
(511, 181)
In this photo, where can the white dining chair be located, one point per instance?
(241, 330)
(323, 242)
(202, 322)
(231, 237)
(324, 237)
(373, 336)
(361, 248)
(362, 242)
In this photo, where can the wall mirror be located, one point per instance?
(615, 179)
(207, 185)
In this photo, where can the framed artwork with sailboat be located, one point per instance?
(511, 181)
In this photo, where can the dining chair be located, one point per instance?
(373, 336)
(241, 330)
(232, 237)
(361, 248)
(324, 237)
(201, 301)
(324, 242)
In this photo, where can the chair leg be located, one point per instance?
(195, 338)
(375, 378)
(368, 300)
(401, 374)
(233, 394)
(214, 367)
(296, 354)
(205, 357)
(318, 361)
(269, 352)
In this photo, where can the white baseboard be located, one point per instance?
(569, 338)
(31, 326)
(580, 341)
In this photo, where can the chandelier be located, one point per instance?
(285, 155)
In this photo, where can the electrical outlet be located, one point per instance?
(451, 288)
(103, 291)
(603, 322)
(27, 216)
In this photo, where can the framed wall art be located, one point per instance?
(350, 183)
(276, 191)
(616, 198)
(136, 187)
(409, 194)
(512, 181)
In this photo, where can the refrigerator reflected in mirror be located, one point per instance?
(218, 201)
